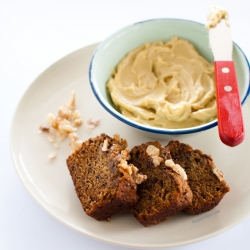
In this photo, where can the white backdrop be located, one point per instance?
(33, 35)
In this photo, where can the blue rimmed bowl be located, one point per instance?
(113, 49)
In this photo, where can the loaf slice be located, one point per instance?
(205, 180)
(104, 182)
(165, 192)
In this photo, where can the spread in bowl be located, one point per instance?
(166, 85)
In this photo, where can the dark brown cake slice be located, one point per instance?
(165, 192)
(104, 182)
(204, 179)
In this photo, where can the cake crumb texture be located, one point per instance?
(101, 186)
(205, 180)
(164, 192)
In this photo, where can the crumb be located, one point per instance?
(93, 123)
(52, 155)
(44, 129)
(51, 138)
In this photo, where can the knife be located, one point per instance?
(229, 112)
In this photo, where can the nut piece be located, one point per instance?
(53, 122)
(44, 129)
(117, 137)
(105, 145)
(121, 140)
(219, 174)
(52, 155)
(126, 167)
(64, 125)
(177, 168)
(92, 123)
(76, 145)
(139, 178)
(77, 122)
(130, 168)
(154, 152)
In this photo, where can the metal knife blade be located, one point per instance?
(230, 120)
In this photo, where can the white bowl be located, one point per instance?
(110, 52)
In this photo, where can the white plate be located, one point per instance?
(50, 184)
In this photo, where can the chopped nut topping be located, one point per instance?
(64, 125)
(126, 167)
(77, 122)
(76, 145)
(64, 112)
(154, 152)
(52, 121)
(177, 168)
(73, 136)
(219, 174)
(117, 137)
(72, 103)
(125, 154)
(139, 178)
(76, 115)
(130, 168)
(105, 145)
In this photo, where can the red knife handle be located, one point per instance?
(230, 121)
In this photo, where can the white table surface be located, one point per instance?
(33, 35)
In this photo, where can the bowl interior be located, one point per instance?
(110, 52)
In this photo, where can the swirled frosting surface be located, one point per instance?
(166, 85)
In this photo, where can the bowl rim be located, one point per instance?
(157, 130)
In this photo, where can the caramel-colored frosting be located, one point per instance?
(216, 14)
(165, 85)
